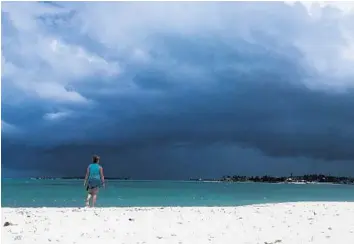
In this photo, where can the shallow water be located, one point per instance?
(71, 193)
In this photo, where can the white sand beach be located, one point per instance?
(286, 223)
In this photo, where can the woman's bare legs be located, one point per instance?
(93, 193)
(88, 200)
(94, 198)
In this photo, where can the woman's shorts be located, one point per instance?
(93, 183)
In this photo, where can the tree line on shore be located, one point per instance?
(311, 178)
(320, 178)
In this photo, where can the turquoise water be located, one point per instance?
(71, 193)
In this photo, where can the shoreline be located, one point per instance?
(274, 204)
(186, 181)
(292, 222)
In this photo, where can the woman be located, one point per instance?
(94, 179)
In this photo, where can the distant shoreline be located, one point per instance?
(301, 180)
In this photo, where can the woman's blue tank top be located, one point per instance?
(94, 171)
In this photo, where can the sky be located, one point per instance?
(177, 90)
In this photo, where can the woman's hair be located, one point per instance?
(95, 158)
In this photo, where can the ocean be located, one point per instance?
(71, 193)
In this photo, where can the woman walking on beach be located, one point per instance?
(94, 179)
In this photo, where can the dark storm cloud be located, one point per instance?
(196, 99)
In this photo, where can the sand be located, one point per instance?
(287, 223)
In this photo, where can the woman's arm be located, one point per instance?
(102, 176)
(86, 176)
